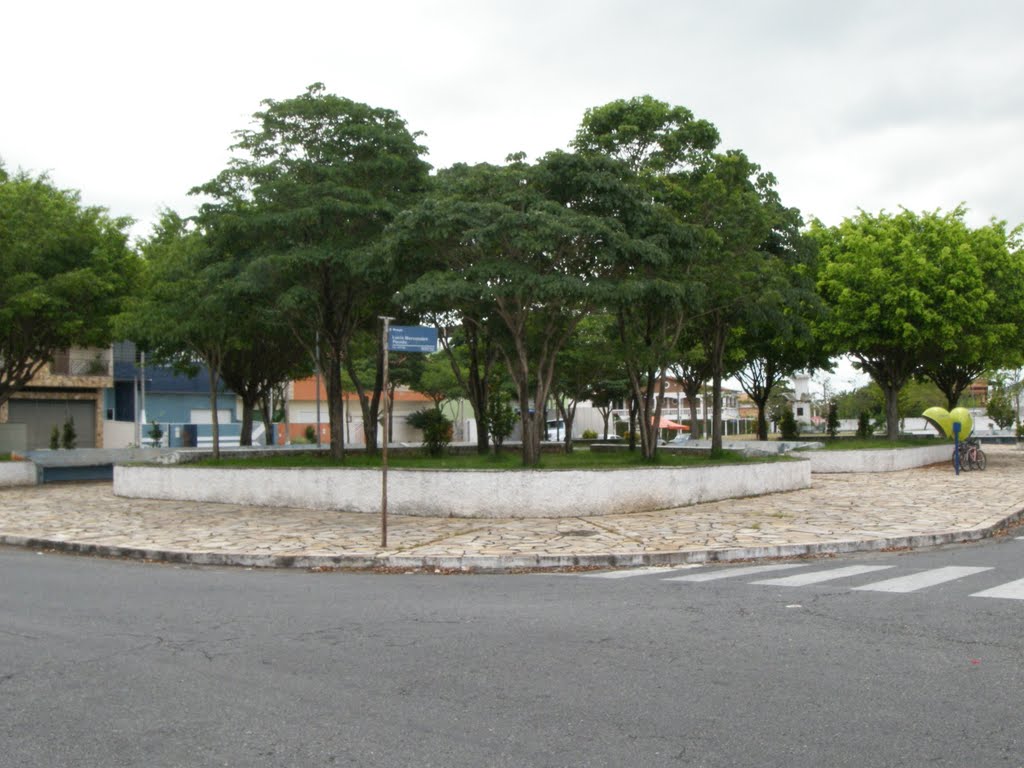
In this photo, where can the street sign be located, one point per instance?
(412, 338)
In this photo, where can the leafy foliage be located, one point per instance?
(436, 428)
(66, 270)
(788, 427)
(311, 188)
(1000, 408)
(517, 248)
(917, 293)
(832, 422)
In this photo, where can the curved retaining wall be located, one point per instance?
(465, 493)
(884, 460)
(17, 473)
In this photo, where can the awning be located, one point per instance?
(669, 424)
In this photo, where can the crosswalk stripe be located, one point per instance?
(916, 581)
(1011, 590)
(802, 579)
(636, 572)
(729, 572)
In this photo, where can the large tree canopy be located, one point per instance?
(187, 310)
(517, 246)
(660, 148)
(313, 186)
(66, 269)
(908, 291)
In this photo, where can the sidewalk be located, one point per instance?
(840, 513)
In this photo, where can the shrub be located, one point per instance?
(832, 424)
(501, 420)
(310, 434)
(1000, 409)
(155, 432)
(69, 437)
(788, 426)
(436, 428)
(55, 438)
(864, 428)
(589, 434)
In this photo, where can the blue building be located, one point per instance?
(180, 404)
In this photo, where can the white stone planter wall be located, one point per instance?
(884, 460)
(465, 493)
(17, 473)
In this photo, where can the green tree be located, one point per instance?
(986, 267)
(832, 424)
(186, 310)
(467, 327)
(659, 147)
(590, 356)
(750, 247)
(776, 338)
(66, 271)
(1000, 408)
(897, 293)
(787, 425)
(693, 371)
(436, 428)
(513, 243)
(313, 185)
(501, 418)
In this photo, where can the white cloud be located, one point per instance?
(870, 105)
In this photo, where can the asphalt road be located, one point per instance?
(110, 663)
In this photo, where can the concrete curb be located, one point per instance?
(506, 563)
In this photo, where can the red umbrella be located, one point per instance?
(669, 424)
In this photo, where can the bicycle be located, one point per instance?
(971, 455)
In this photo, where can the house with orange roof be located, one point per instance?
(302, 414)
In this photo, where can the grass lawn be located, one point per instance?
(576, 460)
(876, 443)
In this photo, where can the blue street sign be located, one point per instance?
(412, 338)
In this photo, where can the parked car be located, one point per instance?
(555, 430)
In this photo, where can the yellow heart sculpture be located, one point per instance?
(944, 420)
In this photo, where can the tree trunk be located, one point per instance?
(717, 363)
(632, 423)
(268, 418)
(568, 414)
(248, 408)
(892, 412)
(214, 422)
(335, 406)
(476, 382)
(762, 419)
(716, 413)
(529, 425)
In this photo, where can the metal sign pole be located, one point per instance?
(956, 447)
(384, 452)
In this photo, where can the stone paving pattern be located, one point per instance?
(838, 513)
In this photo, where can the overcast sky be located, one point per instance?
(851, 105)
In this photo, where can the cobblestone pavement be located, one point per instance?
(838, 513)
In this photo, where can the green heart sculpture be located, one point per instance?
(944, 420)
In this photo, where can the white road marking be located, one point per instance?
(802, 579)
(1011, 590)
(625, 574)
(916, 581)
(725, 573)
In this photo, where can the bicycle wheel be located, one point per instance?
(978, 459)
(965, 462)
